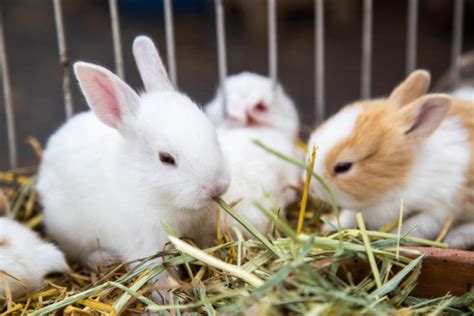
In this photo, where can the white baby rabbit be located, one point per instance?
(25, 259)
(255, 173)
(251, 102)
(110, 177)
(411, 146)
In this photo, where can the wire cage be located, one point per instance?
(412, 21)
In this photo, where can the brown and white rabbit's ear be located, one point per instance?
(413, 87)
(422, 117)
(150, 66)
(110, 98)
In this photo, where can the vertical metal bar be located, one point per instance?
(366, 49)
(170, 42)
(116, 38)
(412, 34)
(63, 57)
(456, 45)
(221, 50)
(272, 44)
(7, 97)
(319, 59)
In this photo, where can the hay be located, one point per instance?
(282, 273)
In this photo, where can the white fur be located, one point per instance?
(465, 92)
(435, 180)
(332, 132)
(243, 92)
(106, 192)
(25, 259)
(257, 176)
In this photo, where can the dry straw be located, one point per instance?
(281, 273)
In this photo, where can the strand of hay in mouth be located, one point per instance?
(297, 274)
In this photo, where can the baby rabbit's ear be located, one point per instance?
(421, 118)
(111, 99)
(412, 88)
(150, 65)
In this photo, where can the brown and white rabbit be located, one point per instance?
(410, 146)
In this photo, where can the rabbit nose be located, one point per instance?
(217, 188)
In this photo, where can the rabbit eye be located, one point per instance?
(260, 107)
(342, 167)
(167, 159)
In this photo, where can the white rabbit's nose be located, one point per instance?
(217, 188)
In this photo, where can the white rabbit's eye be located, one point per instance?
(261, 107)
(342, 167)
(167, 159)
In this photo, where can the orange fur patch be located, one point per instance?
(382, 156)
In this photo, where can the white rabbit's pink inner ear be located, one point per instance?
(111, 99)
(110, 112)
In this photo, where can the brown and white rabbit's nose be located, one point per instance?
(217, 188)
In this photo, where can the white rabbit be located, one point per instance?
(255, 174)
(110, 177)
(25, 259)
(251, 102)
(258, 176)
(410, 146)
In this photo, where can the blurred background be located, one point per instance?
(36, 76)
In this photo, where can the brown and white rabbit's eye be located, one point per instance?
(342, 167)
(260, 107)
(167, 159)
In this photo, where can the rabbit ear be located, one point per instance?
(150, 65)
(412, 88)
(424, 116)
(111, 99)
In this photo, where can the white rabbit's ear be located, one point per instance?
(150, 66)
(423, 117)
(111, 99)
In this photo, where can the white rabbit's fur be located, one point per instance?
(243, 92)
(106, 192)
(25, 259)
(257, 176)
(464, 92)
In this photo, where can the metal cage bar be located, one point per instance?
(272, 44)
(63, 57)
(412, 34)
(116, 38)
(366, 64)
(456, 45)
(319, 60)
(170, 42)
(221, 50)
(7, 97)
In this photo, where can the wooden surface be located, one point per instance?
(445, 270)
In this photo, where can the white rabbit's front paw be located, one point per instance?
(347, 218)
